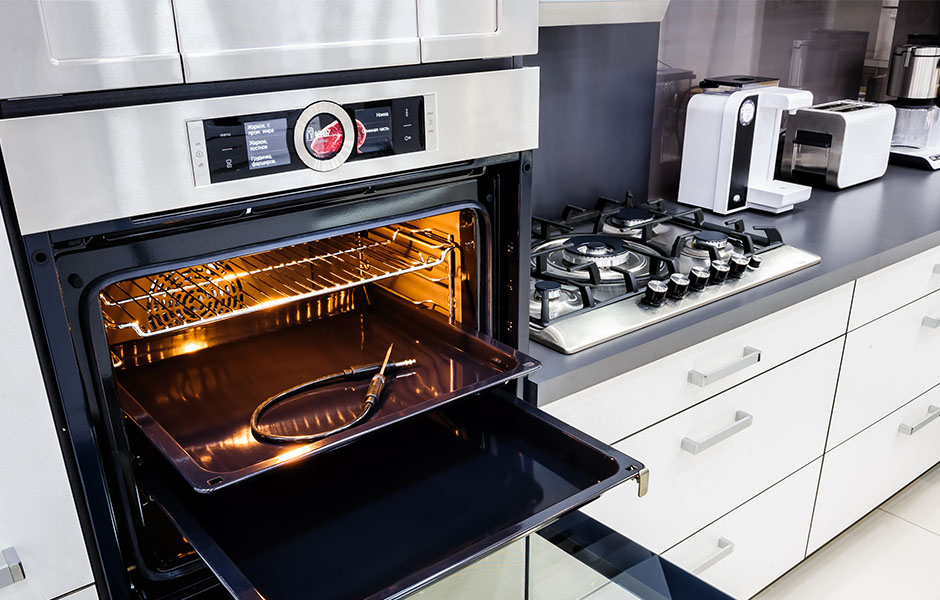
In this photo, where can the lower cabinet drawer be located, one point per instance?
(866, 470)
(747, 549)
(717, 455)
(887, 363)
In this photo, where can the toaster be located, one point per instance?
(838, 144)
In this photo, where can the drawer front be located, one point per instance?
(747, 549)
(892, 287)
(887, 363)
(866, 470)
(789, 413)
(614, 409)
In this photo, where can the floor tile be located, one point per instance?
(919, 502)
(880, 557)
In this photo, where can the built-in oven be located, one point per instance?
(218, 282)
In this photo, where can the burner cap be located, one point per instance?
(715, 239)
(606, 251)
(631, 217)
(550, 288)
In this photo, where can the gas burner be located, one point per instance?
(628, 220)
(556, 299)
(706, 239)
(702, 247)
(571, 258)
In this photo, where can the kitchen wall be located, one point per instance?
(595, 121)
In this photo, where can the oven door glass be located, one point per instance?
(397, 510)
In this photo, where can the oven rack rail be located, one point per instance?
(185, 298)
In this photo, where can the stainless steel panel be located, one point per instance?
(915, 72)
(595, 12)
(605, 323)
(452, 30)
(245, 38)
(62, 46)
(131, 161)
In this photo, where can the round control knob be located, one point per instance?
(324, 136)
(655, 293)
(698, 278)
(552, 289)
(719, 271)
(678, 286)
(755, 262)
(738, 266)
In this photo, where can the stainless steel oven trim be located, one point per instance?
(86, 167)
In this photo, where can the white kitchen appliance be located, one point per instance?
(913, 80)
(839, 144)
(729, 151)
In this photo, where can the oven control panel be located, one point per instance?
(322, 137)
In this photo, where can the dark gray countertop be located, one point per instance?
(855, 231)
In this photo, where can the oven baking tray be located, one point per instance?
(196, 407)
(396, 510)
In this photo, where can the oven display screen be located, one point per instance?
(266, 143)
(373, 129)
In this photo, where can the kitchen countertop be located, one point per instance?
(856, 232)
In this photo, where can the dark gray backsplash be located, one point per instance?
(595, 123)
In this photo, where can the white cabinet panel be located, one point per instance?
(757, 542)
(594, 12)
(892, 287)
(789, 411)
(623, 405)
(864, 471)
(37, 512)
(887, 363)
(88, 593)
(63, 46)
(244, 38)
(468, 29)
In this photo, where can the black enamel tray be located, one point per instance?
(398, 509)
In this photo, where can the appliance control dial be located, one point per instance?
(755, 262)
(746, 115)
(719, 271)
(698, 278)
(738, 265)
(324, 136)
(655, 293)
(678, 286)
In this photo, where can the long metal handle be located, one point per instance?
(932, 413)
(751, 357)
(725, 547)
(11, 567)
(931, 322)
(742, 421)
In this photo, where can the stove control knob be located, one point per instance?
(719, 271)
(678, 286)
(738, 266)
(698, 278)
(755, 262)
(655, 293)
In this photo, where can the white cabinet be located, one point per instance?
(477, 28)
(711, 458)
(37, 512)
(63, 46)
(885, 290)
(625, 404)
(595, 12)
(745, 550)
(864, 471)
(887, 363)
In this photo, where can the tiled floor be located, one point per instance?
(893, 553)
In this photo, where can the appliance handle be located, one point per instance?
(936, 269)
(11, 567)
(725, 548)
(750, 357)
(932, 413)
(931, 322)
(742, 421)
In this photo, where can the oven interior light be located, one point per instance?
(193, 347)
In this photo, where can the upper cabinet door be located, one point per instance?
(61, 46)
(464, 29)
(237, 39)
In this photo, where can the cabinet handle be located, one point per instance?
(932, 413)
(936, 269)
(931, 322)
(750, 357)
(11, 567)
(725, 548)
(742, 421)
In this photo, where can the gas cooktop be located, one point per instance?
(601, 273)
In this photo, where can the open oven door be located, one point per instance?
(398, 509)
